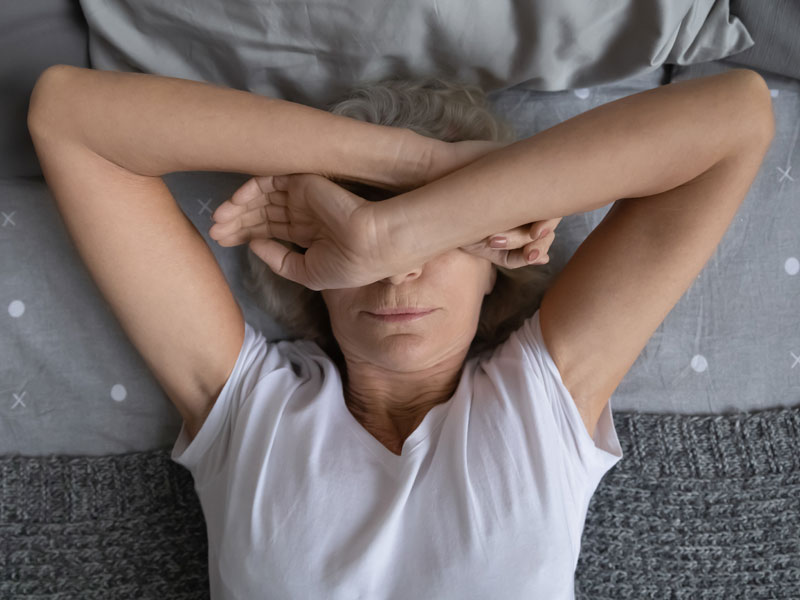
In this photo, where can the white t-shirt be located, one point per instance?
(487, 499)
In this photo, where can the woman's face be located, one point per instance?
(453, 284)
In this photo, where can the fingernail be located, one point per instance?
(532, 255)
(543, 234)
(497, 242)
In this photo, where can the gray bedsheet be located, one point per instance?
(73, 384)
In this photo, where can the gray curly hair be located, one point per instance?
(439, 109)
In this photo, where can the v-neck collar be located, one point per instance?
(430, 422)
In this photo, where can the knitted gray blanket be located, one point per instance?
(699, 507)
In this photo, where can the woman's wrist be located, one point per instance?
(415, 222)
(381, 156)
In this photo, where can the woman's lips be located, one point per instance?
(400, 316)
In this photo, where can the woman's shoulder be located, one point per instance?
(306, 357)
(525, 337)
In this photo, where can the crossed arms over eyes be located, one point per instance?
(672, 154)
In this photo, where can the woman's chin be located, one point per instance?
(403, 352)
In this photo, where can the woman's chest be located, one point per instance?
(358, 531)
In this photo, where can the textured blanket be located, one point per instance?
(699, 507)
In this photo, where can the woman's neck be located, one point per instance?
(391, 404)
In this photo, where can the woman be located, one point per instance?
(407, 470)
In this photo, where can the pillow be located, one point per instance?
(33, 35)
(314, 51)
(774, 26)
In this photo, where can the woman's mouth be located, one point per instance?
(392, 316)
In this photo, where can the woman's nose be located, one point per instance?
(403, 277)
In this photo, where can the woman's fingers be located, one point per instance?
(523, 246)
(253, 189)
(298, 234)
(535, 253)
(524, 234)
(262, 214)
(244, 225)
(252, 195)
(241, 222)
(281, 260)
(247, 198)
(302, 235)
(514, 238)
(227, 212)
(514, 259)
(542, 229)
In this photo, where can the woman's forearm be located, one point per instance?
(153, 125)
(633, 147)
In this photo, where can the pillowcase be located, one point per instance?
(34, 34)
(312, 52)
(775, 27)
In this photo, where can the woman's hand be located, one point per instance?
(520, 242)
(244, 219)
(518, 247)
(344, 245)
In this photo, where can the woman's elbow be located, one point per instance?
(48, 95)
(758, 117)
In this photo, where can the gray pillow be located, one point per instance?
(775, 27)
(34, 34)
(314, 51)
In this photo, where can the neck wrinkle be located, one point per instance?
(391, 409)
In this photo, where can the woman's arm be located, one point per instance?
(104, 138)
(677, 162)
(640, 146)
(153, 125)
(636, 146)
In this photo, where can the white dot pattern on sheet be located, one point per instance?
(699, 363)
(792, 265)
(16, 309)
(582, 93)
(119, 393)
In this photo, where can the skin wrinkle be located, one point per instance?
(404, 419)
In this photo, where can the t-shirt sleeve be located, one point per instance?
(554, 409)
(211, 449)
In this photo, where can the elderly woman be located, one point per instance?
(425, 439)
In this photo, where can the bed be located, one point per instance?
(704, 504)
